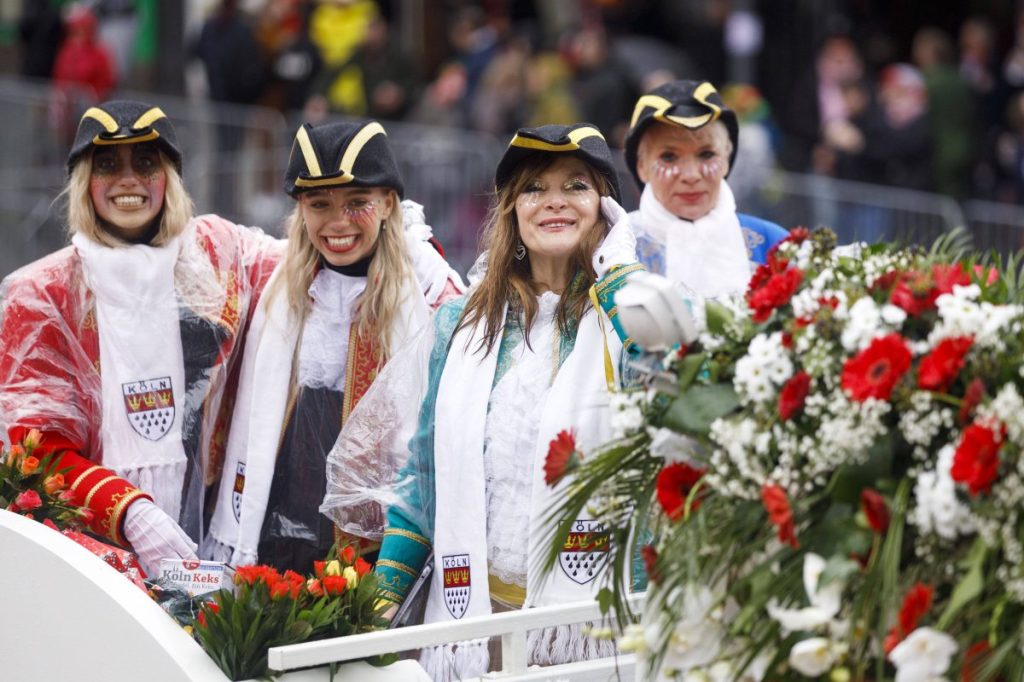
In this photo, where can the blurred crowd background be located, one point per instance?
(881, 118)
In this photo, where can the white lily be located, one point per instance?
(924, 656)
(812, 657)
(824, 603)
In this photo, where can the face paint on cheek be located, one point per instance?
(665, 171)
(362, 213)
(712, 168)
(528, 200)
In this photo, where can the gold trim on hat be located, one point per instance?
(573, 144)
(661, 105)
(149, 118)
(306, 145)
(105, 119)
(348, 159)
(124, 139)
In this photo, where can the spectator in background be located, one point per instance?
(755, 156)
(231, 55)
(1010, 152)
(440, 103)
(295, 61)
(817, 101)
(83, 62)
(907, 136)
(952, 112)
(337, 29)
(500, 103)
(547, 83)
(599, 85)
(475, 41)
(979, 67)
(40, 30)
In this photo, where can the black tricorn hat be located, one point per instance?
(124, 122)
(582, 140)
(689, 104)
(341, 155)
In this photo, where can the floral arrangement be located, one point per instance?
(829, 483)
(33, 487)
(270, 609)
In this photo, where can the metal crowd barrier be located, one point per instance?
(996, 226)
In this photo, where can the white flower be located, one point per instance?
(824, 603)
(893, 315)
(923, 656)
(865, 324)
(812, 657)
(937, 509)
(632, 639)
(671, 446)
(696, 638)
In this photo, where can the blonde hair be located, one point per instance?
(508, 281)
(81, 214)
(378, 306)
(718, 131)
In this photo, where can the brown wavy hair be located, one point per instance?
(509, 281)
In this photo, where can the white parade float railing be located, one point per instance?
(511, 627)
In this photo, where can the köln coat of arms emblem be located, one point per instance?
(236, 490)
(585, 551)
(455, 568)
(149, 405)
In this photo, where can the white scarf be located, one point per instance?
(142, 367)
(708, 255)
(259, 413)
(578, 399)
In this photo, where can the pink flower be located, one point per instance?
(28, 500)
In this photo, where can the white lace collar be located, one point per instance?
(324, 350)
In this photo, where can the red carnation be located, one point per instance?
(916, 604)
(976, 460)
(793, 395)
(972, 397)
(673, 486)
(562, 457)
(948, 276)
(916, 292)
(876, 370)
(781, 514)
(334, 585)
(875, 509)
(940, 368)
(764, 297)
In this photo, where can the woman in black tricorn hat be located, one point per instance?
(522, 360)
(681, 145)
(356, 285)
(118, 347)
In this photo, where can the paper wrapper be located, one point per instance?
(121, 560)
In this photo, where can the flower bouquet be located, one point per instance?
(269, 609)
(829, 484)
(33, 487)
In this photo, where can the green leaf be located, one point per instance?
(838, 568)
(970, 585)
(688, 368)
(605, 597)
(718, 317)
(694, 411)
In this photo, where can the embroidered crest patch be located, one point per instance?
(457, 585)
(149, 405)
(585, 551)
(236, 490)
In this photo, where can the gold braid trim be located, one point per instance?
(408, 535)
(96, 488)
(117, 510)
(398, 566)
(389, 596)
(85, 474)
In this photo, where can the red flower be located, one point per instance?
(315, 588)
(885, 282)
(781, 514)
(876, 370)
(347, 554)
(940, 368)
(673, 486)
(318, 568)
(798, 235)
(562, 457)
(948, 276)
(875, 509)
(916, 291)
(279, 590)
(334, 585)
(916, 603)
(976, 460)
(974, 658)
(50, 524)
(250, 575)
(793, 395)
(972, 397)
(650, 556)
(212, 607)
(362, 567)
(765, 295)
(28, 500)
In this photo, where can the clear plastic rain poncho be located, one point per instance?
(122, 355)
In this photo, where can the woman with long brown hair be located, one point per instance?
(523, 356)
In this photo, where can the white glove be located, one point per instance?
(432, 270)
(155, 536)
(619, 245)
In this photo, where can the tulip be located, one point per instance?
(31, 440)
(351, 577)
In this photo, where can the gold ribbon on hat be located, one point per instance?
(110, 125)
(348, 159)
(662, 105)
(573, 144)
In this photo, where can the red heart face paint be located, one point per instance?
(344, 223)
